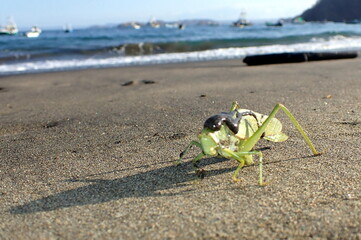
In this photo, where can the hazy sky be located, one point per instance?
(54, 13)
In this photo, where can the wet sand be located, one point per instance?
(90, 154)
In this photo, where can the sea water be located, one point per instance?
(99, 47)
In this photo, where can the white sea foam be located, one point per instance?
(336, 43)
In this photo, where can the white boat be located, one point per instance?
(180, 26)
(35, 32)
(154, 23)
(10, 28)
(135, 25)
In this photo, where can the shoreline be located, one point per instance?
(335, 56)
(91, 153)
(130, 66)
(225, 54)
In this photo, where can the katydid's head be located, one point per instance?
(230, 119)
(215, 122)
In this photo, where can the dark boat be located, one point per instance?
(276, 24)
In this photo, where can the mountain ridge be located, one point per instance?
(334, 10)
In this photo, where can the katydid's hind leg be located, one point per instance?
(261, 183)
(181, 155)
(299, 128)
(249, 144)
(260, 156)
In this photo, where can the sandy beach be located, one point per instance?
(89, 154)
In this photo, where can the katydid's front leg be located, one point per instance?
(249, 144)
(240, 157)
(199, 171)
(181, 155)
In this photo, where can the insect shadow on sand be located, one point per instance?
(143, 184)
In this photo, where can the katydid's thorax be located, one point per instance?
(225, 138)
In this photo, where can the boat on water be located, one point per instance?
(179, 26)
(10, 28)
(279, 23)
(298, 20)
(135, 25)
(35, 32)
(68, 28)
(154, 23)
(242, 21)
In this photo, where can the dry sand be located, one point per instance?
(89, 154)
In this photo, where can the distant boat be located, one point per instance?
(35, 32)
(10, 28)
(242, 21)
(153, 23)
(68, 28)
(276, 24)
(298, 20)
(180, 26)
(135, 25)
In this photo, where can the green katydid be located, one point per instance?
(234, 134)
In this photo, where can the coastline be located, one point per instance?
(89, 153)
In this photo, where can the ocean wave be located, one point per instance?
(334, 43)
(146, 48)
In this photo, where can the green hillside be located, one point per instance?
(334, 10)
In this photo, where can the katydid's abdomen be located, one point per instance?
(248, 125)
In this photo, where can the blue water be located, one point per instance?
(55, 50)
